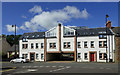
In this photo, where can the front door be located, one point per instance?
(92, 57)
(32, 56)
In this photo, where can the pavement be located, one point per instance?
(58, 67)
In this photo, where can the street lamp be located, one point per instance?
(106, 35)
(15, 40)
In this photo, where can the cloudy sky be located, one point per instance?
(41, 16)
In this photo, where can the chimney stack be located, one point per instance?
(108, 24)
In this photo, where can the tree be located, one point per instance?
(11, 41)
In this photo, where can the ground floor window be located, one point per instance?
(102, 55)
(37, 57)
(25, 56)
(42, 56)
(79, 55)
(86, 56)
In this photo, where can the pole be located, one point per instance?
(15, 42)
(106, 39)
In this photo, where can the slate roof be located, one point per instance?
(13, 48)
(79, 32)
(33, 35)
(116, 30)
(93, 31)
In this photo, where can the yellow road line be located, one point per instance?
(8, 69)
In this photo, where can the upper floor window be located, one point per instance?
(68, 31)
(24, 46)
(52, 45)
(85, 44)
(66, 45)
(42, 45)
(37, 45)
(32, 45)
(24, 40)
(51, 33)
(102, 43)
(92, 44)
(79, 44)
(105, 43)
(102, 36)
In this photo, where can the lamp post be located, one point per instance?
(15, 40)
(106, 35)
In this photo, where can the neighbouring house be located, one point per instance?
(11, 51)
(73, 43)
(116, 30)
(4, 46)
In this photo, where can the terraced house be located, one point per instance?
(80, 44)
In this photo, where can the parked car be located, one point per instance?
(21, 60)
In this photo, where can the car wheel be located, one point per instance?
(12, 61)
(22, 61)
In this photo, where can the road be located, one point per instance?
(48, 67)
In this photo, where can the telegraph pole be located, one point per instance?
(15, 40)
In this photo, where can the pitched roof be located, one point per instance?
(116, 30)
(33, 35)
(93, 31)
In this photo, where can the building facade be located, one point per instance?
(69, 43)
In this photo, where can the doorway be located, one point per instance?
(93, 56)
(32, 56)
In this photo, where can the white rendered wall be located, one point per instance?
(34, 50)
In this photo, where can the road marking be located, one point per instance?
(8, 69)
(47, 66)
(32, 70)
(101, 68)
(35, 66)
(53, 66)
(60, 69)
(61, 66)
(41, 66)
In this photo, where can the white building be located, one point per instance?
(68, 43)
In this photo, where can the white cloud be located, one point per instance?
(36, 9)
(24, 16)
(49, 19)
(11, 29)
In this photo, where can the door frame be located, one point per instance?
(30, 56)
(95, 56)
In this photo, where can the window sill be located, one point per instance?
(85, 47)
(79, 47)
(67, 48)
(102, 47)
(92, 47)
(52, 48)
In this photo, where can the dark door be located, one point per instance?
(32, 56)
(92, 57)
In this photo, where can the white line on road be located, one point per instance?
(41, 66)
(53, 66)
(35, 66)
(101, 68)
(47, 66)
(61, 66)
